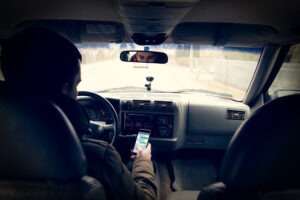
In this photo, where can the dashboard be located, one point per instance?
(157, 116)
(177, 121)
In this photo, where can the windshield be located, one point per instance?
(220, 71)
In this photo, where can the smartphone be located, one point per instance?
(141, 139)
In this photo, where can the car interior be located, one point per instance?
(216, 83)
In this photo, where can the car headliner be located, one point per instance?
(159, 18)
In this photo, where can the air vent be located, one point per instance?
(235, 114)
(163, 105)
(141, 104)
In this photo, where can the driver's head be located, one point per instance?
(41, 61)
(146, 57)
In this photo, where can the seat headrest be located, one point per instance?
(264, 151)
(37, 141)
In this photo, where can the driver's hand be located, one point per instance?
(146, 154)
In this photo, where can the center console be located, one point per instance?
(158, 116)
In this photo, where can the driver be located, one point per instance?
(145, 57)
(40, 62)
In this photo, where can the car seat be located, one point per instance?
(262, 159)
(40, 154)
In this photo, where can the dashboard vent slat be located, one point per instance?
(235, 114)
(163, 105)
(145, 104)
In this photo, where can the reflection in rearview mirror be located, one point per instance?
(144, 57)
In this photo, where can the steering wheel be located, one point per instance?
(100, 129)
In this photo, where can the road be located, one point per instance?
(172, 77)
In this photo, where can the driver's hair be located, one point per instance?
(39, 60)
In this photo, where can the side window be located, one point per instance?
(287, 80)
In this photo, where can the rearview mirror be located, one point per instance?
(144, 57)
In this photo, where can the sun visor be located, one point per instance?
(224, 34)
(101, 32)
(82, 31)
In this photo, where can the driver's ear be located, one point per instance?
(65, 89)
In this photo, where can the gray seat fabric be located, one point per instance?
(262, 159)
(40, 154)
(264, 152)
(185, 194)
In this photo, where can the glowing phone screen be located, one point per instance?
(142, 140)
